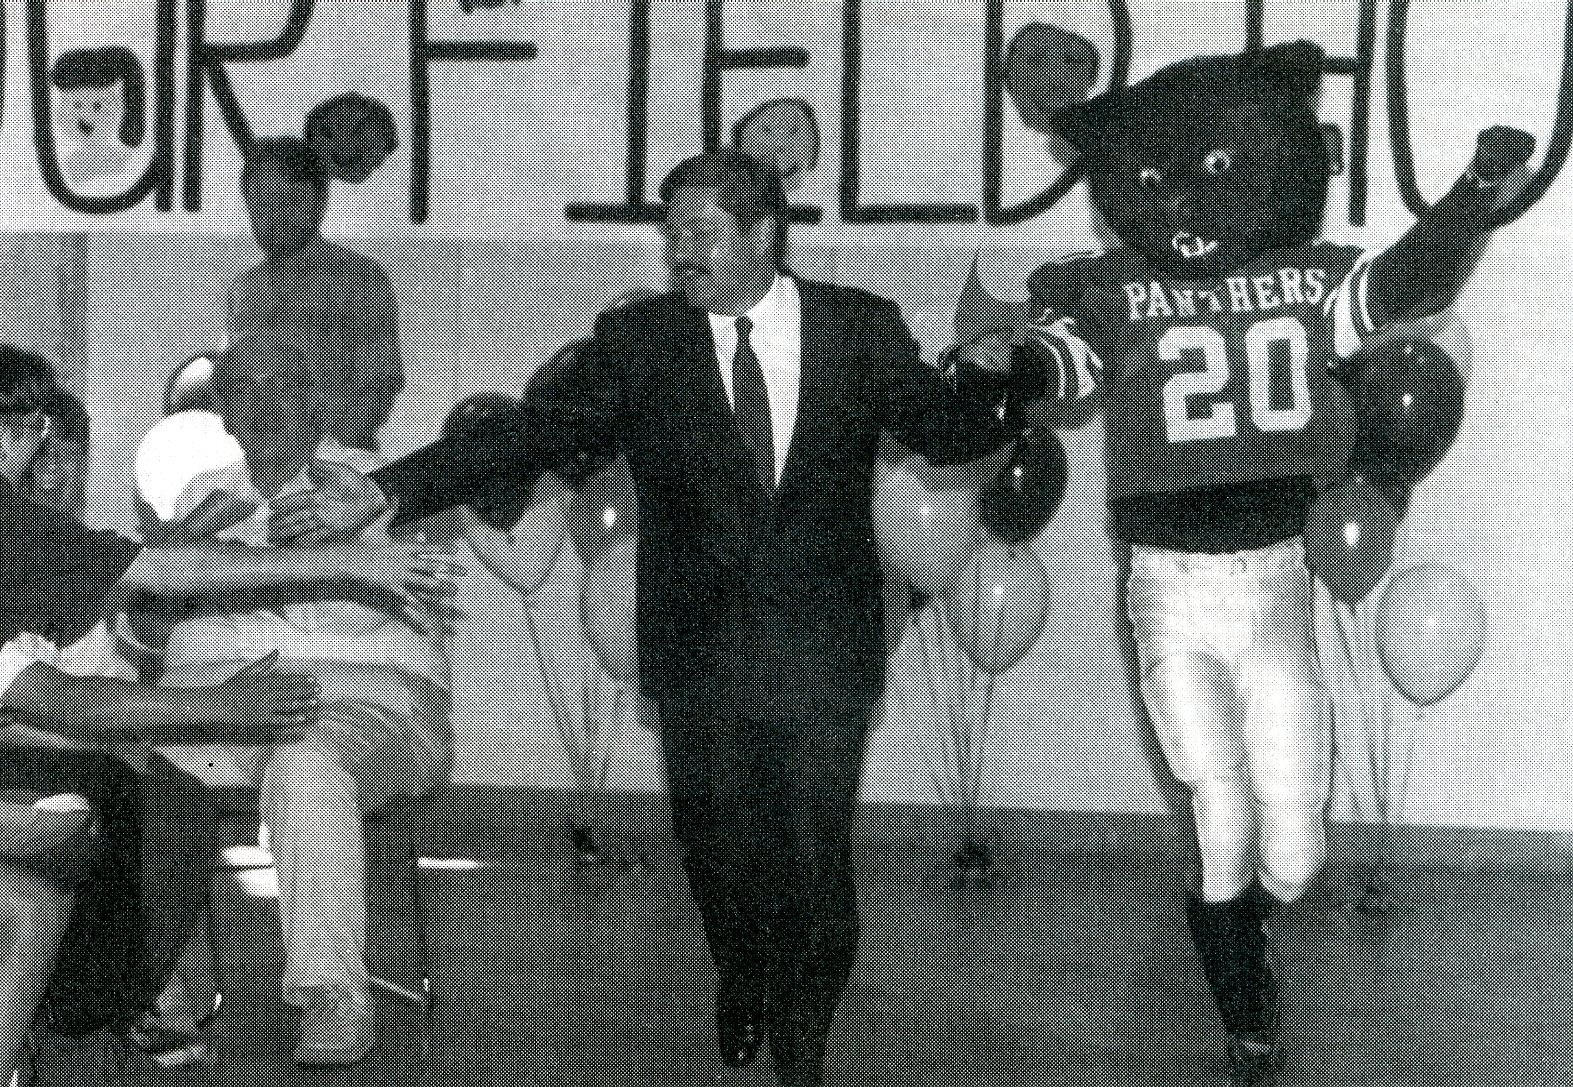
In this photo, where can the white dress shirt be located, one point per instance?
(777, 337)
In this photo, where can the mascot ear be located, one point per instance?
(1085, 124)
(1294, 69)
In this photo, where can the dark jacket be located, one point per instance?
(774, 596)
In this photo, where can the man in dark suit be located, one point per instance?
(750, 405)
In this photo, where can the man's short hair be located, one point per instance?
(27, 381)
(70, 418)
(746, 188)
(290, 155)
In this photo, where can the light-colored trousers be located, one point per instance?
(1233, 685)
(382, 735)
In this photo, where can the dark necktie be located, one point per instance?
(751, 402)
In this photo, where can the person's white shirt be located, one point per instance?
(777, 339)
(363, 656)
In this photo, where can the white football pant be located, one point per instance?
(1233, 685)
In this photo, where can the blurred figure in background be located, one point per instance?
(340, 301)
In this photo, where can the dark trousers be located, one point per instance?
(140, 893)
(763, 807)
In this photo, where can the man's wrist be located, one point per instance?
(349, 560)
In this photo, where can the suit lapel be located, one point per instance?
(816, 374)
(703, 373)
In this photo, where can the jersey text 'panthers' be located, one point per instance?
(1207, 383)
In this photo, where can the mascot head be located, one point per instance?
(1210, 162)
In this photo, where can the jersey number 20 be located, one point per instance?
(1186, 392)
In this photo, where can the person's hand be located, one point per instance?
(423, 576)
(342, 503)
(1501, 162)
(990, 353)
(1499, 151)
(431, 573)
(261, 705)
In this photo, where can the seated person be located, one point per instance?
(71, 813)
(383, 729)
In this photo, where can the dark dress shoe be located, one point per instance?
(741, 1029)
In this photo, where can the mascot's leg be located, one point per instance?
(69, 892)
(1226, 919)
(1226, 925)
(1232, 946)
(1231, 681)
(1288, 731)
(36, 910)
(1285, 731)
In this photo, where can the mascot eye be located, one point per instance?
(1217, 162)
(1150, 178)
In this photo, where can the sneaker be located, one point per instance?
(1254, 1061)
(336, 1028)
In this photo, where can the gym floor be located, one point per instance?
(1069, 966)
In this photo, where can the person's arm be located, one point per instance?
(377, 354)
(524, 557)
(1425, 269)
(219, 511)
(257, 705)
(575, 415)
(947, 424)
(1048, 361)
(410, 571)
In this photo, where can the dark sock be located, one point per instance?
(1261, 901)
(1233, 952)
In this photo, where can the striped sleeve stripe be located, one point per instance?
(1077, 369)
(1055, 358)
(1349, 307)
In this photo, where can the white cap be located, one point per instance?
(176, 451)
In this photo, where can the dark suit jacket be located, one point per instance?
(771, 602)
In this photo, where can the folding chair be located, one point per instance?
(404, 818)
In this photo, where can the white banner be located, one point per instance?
(518, 116)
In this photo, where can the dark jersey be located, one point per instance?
(1213, 387)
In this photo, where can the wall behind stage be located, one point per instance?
(509, 254)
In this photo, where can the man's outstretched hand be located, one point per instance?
(342, 503)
